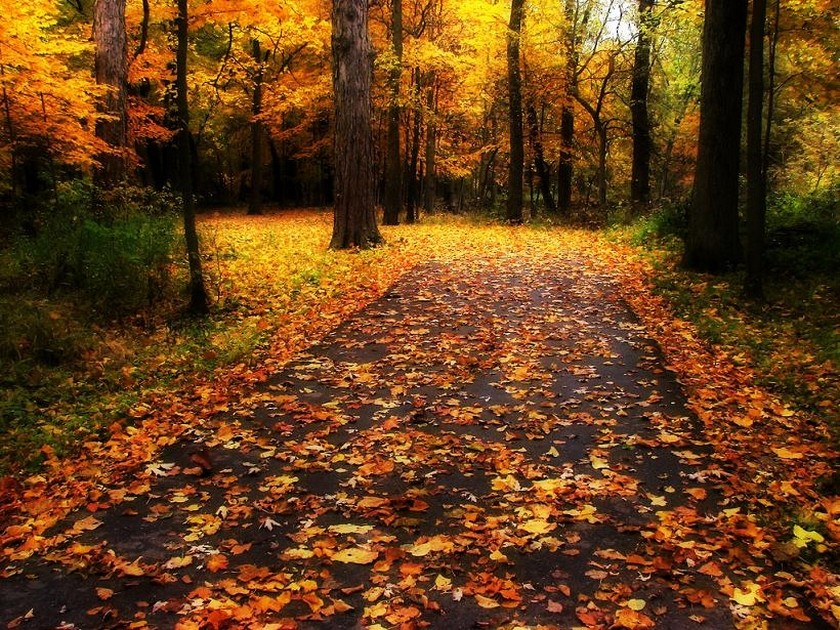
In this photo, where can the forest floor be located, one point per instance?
(515, 433)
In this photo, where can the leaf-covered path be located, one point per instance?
(496, 442)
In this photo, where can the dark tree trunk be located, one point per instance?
(430, 184)
(517, 148)
(640, 172)
(255, 199)
(539, 159)
(411, 192)
(565, 169)
(354, 222)
(393, 164)
(756, 176)
(111, 69)
(198, 294)
(712, 242)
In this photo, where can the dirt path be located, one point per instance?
(495, 443)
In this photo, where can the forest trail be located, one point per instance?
(496, 442)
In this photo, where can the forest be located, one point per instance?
(420, 313)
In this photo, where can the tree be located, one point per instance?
(517, 149)
(393, 164)
(354, 222)
(565, 170)
(640, 175)
(198, 294)
(756, 176)
(111, 70)
(712, 242)
(255, 201)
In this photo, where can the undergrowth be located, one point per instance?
(792, 339)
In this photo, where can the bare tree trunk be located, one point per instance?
(640, 172)
(539, 159)
(393, 164)
(517, 148)
(198, 294)
(111, 69)
(10, 130)
(712, 242)
(354, 223)
(565, 169)
(411, 193)
(255, 200)
(756, 214)
(431, 143)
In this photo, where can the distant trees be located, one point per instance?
(607, 106)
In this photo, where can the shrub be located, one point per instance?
(116, 248)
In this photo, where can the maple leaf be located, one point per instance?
(355, 555)
(269, 523)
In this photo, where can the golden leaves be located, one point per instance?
(355, 555)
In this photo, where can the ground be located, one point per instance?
(515, 434)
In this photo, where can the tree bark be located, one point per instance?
(393, 165)
(756, 176)
(199, 303)
(712, 242)
(640, 171)
(255, 198)
(414, 159)
(430, 184)
(565, 169)
(539, 159)
(354, 223)
(111, 69)
(517, 148)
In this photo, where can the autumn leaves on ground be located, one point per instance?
(474, 426)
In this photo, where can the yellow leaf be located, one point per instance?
(785, 453)
(498, 556)
(801, 536)
(536, 526)
(598, 463)
(749, 595)
(356, 555)
(442, 583)
(486, 602)
(349, 528)
(636, 604)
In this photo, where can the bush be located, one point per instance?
(116, 249)
(665, 223)
(803, 232)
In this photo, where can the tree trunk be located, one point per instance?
(565, 169)
(603, 140)
(198, 294)
(712, 242)
(756, 176)
(393, 164)
(517, 148)
(354, 223)
(640, 172)
(411, 193)
(431, 183)
(255, 200)
(111, 69)
(539, 159)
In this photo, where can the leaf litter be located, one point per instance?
(497, 441)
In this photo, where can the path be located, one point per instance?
(492, 444)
